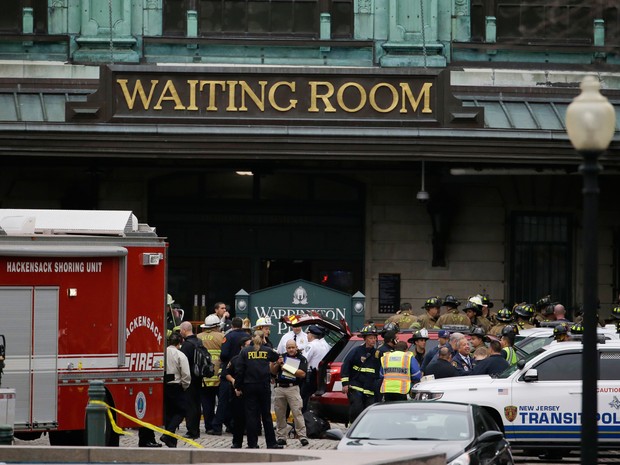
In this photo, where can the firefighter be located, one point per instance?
(264, 325)
(473, 310)
(360, 373)
(212, 338)
(487, 305)
(404, 317)
(389, 333)
(453, 316)
(253, 381)
(523, 313)
(433, 309)
(504, 317)
(560, 333)
(540, 313)
(399, 370)
(418, 341)
(478, 337)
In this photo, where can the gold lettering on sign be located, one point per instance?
(424, 92)
(362, 100)
(130, 100)
(247, 90)
(192, 95)
(314, 96)
(174, 96)
(231, 95)
(212, 103)
(272, 93)
(373, 94)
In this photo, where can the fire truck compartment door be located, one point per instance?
(29, 320)
(12, 250)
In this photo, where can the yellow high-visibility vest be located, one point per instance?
(396, 372)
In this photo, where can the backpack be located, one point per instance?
(315, 425)
(203, 365)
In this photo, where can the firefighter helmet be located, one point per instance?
(543, 302)
(469, 305)
(169, 299)
(486, 300)
(432, 302)
(510, 331)
(559, 330)
(211, 321)
(576, 329)
(504, 315)
(615, 312)
(524, 310)
(419, 334)
(478, 331)
(368, 330)
(390, 326)
(451, 301)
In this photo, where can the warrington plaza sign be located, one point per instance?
(271, 95)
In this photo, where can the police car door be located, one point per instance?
(545, 400)
(609, 393)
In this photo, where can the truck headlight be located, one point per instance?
(427, 395)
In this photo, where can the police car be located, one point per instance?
(538, 401)
(528, 340)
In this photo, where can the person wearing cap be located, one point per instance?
(453, 316)
(399, 370)
(441, 366)
(314, 352)
(418, 340)
(433, 309)
(494, 364)
(508, 340)
(443, 337)
(212, 338)
(264, 324)
(360, 376)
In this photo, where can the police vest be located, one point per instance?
(510, 355)
(396, 372)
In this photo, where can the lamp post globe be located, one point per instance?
(590, 124)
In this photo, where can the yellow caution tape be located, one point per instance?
(119, 430)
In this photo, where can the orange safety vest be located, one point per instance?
(396, 372)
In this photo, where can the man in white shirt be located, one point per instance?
(295, 334)
(176, 381)
(314, 353)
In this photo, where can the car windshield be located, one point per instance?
(512, 368)
(530, 344)
(413, 424)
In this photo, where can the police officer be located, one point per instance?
(360, 373)
(494, 364)
(399, 369)
(433, 309)
(237, 402)
(504, 317)
(508, 340)
(453, 316)
(253, 381)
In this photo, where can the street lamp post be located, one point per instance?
(590, 123)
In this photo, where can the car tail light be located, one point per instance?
(333, 374)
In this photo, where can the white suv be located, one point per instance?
(528, 340)
(538, 401)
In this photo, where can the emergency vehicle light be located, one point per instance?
(149, 259)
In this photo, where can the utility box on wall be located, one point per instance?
(297, 297)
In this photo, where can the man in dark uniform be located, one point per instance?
(418, 340)
(441, 366)
(361, 373)
(443, 337)
(192, 419)
(462, 360)
(494, 364)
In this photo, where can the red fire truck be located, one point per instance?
(82, 297)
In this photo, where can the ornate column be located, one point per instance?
(105, 33)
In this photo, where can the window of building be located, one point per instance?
(541, 257)
(11, 19)
(260, 18)
(545, 21)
